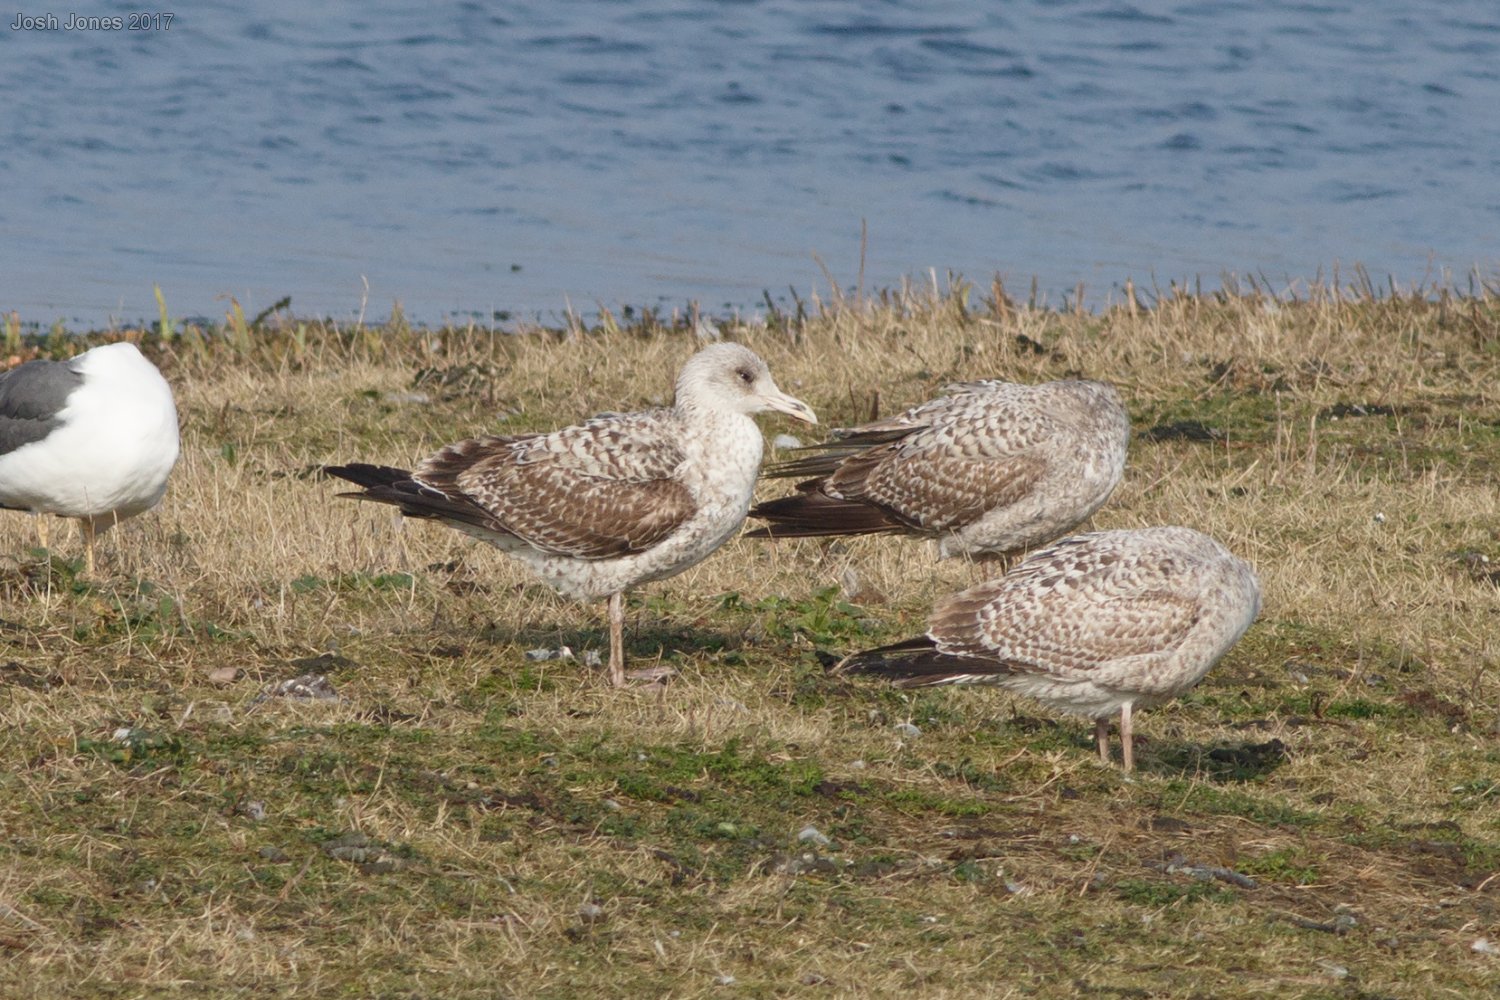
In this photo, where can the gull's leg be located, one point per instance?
(41, 529)
(617, 639)
(986, 566)
(86, 529)
(1127, 739)
(1101, 736)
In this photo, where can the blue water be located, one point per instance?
(513, 159)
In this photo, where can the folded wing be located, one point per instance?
(599, 490)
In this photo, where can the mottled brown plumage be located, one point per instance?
(989, 468)
(602, 495)
(1094, 625)
(612, 502)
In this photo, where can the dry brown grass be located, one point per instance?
(1346, 754)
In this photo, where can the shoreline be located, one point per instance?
(1353, 285)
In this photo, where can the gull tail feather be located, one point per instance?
(813, 514)
(385, 484)
(918, 663)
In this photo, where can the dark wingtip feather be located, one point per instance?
(811, 465)
(366, 475)
(870, 659)
(814, 514)
(386, 484)
(818, 460)
(913, 663)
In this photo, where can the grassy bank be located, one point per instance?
(1321, 817)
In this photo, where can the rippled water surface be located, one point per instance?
(513, 158)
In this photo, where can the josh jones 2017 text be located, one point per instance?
(139, 21)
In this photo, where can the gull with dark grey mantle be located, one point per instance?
(988, 469)
(619, 500)
(1095, 625)
(92, 438)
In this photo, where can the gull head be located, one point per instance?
(731, 378)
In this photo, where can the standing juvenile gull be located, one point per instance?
(1094, 625)
(990, 468)
(621, 499)
(94, 437)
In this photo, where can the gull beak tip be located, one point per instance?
(792, 407)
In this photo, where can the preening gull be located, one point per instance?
(988, 469)
(94, 438)
(1094, 625)
(596, 508)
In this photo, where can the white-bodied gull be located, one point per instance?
(1094, 625)
(599, 507)
(988, 469)
(93, 438)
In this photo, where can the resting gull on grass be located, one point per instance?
(599, 507)
(988, 469)
(1094, 625)
(93, 438)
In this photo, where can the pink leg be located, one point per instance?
(617, 639)
(1101, 735)
(1127, 739)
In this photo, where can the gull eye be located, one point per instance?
(746, 375)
